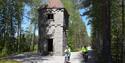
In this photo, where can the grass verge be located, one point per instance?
(8, 61)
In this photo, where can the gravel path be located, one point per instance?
(76, 57)
(34, 58)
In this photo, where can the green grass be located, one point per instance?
(8, 61)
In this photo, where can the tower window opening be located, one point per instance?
(50, 16)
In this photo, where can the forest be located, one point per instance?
(106, 17)
(108, 27)
(16, 38)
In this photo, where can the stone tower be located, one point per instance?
(53, 23)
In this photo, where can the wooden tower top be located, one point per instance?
(55, 4)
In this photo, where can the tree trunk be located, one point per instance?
(34, 36)
(106, 50)
(123, 34)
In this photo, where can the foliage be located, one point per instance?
(10, 15)
(77, 35)
(13, 38)
(95, 13)
(34, 21)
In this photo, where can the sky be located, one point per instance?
(84, 19)
(26, 22)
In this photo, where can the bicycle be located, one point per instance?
(67, 58)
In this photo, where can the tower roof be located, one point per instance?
(55, 4)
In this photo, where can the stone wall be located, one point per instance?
(52, 29)
(58, 31)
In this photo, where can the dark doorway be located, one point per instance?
(50, 45)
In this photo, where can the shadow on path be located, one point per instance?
(27, 57)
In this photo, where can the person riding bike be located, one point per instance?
(67, 54)
(84, 53)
